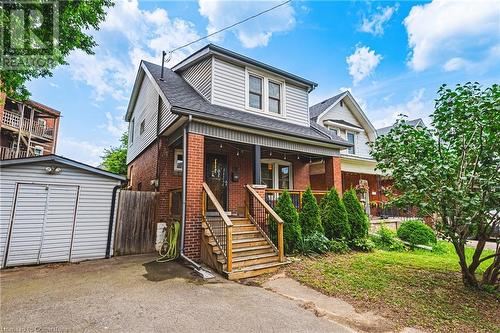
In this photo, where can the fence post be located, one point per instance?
(280, 242)
(229, 248)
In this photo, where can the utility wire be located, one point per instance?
(229, 27)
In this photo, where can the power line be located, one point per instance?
(229, 27)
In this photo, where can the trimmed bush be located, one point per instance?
(309, 218)
(416, 232)
(358, 220)
(339, 246)
(292, 232)
(362, 244)
(334, 216)
(385, 239)
(316, 243)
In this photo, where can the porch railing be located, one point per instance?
(272, 197)
(13, 119)
(219, 224)
(258, 211)
(387, 211)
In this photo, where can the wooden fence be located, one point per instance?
(136, 221)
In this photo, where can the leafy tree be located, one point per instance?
(451, 171)
(358, 220)
(309, 218)
(115, 158)
(334, 216)
(292, 232)
(75, 18)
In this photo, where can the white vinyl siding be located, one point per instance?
(92, 209)
(229, 89)
(228, 85)
(146, 110)
(344, 113)
(199, 76)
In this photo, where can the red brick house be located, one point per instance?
(220, 135)
(27, 129)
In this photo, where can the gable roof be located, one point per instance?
(212, 49)
(317, 109)
(413, 123)
(62, 160)
(321, 108)
(185, 100)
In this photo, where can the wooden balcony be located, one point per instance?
(7, 153)
(13, 119)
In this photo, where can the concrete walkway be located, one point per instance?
(136, 294)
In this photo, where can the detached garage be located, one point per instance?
(53, 209)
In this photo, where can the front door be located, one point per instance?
(216, 178)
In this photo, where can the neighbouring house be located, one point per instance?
(414, 123)
(27, 128)
(220, 136)
(342, 116)
(54, 209)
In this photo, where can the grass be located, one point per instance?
(415, 288)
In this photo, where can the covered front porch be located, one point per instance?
(230, 188)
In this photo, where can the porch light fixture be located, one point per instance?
(284, 157)
(220, 146)
(270, 152)
(238, 152)
(298, 156)
(310, 160)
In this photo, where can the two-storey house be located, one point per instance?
(27, 128)
(220, 135)
(341, 115)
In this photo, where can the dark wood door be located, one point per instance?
(216, 178)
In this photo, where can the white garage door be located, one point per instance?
(42, 224)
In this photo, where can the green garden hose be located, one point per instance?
(168, 250)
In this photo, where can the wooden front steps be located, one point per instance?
(252, 253)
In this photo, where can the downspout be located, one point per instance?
(197, 268)
(111, 220)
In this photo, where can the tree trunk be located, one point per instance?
(491, 274)
(468, 275)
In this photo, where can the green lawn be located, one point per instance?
(414, 288)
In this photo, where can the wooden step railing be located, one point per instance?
(219, 224)
(260, 213)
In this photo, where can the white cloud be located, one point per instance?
(251, 34)
(441, 31)
(128, 36)
(415, 107)
(362, 63)
(82, 151)
(374, 23)
(115, 125)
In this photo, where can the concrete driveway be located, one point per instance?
(136, 294)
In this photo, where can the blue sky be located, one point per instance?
(393, 56)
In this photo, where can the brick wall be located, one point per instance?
(301, 178)
(195, 177)
(333, 174)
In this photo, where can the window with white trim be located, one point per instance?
(351, 138)
(178, 160)
(276, 174)
(265, 94)
(334, 130)
(255, 92)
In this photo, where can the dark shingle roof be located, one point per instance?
(317, 109)
(186, 100)
(413, 122)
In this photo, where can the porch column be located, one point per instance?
(195, 162)
(257, 179)
(333, 173)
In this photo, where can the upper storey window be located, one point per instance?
(255, 92)
(264, 94)
(351, 138)
(274, 97)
